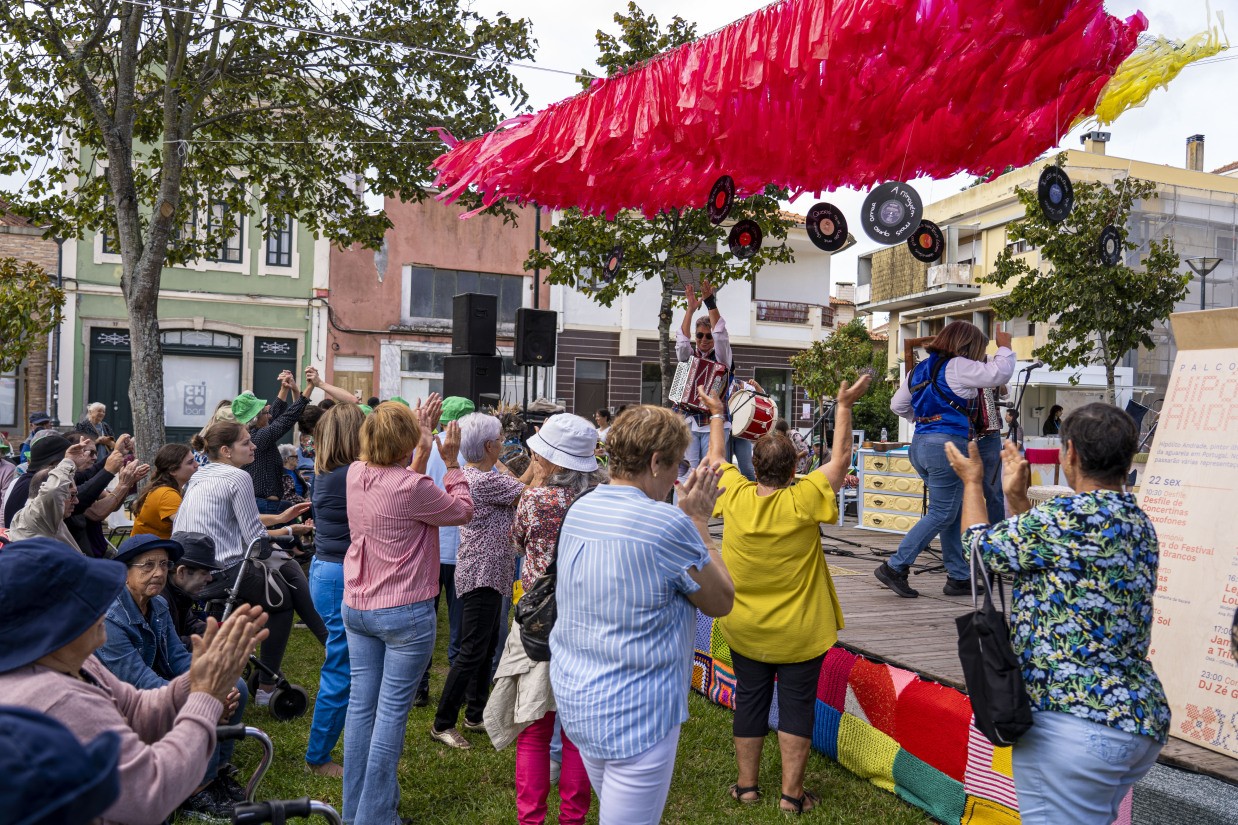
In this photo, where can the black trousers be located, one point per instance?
(754, 693)
(469, 677)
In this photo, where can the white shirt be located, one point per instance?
(964, 377)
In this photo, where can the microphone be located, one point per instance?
(1035, 365)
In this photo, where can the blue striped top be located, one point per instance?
(621, 648)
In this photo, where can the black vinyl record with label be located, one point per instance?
(721, 197)
(927, 243)
(613, 261)
(1110, 246)
(745, 239)
(827, 227)
(1055, 193)
(892, 212)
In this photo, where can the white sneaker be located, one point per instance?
(555, 769)
(263, 697)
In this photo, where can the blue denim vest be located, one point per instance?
(143, 651)
(938, 408)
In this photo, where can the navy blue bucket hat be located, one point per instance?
(49, 777)
(49, 595)
(135, 546)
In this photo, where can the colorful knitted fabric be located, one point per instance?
(866, 752)
(926, 787)
(702, 672)
(983, 812)
(825, 730)
(832, 686)
(719, 648)
(722, 686)
(704, 631)
(873, 688)
(933, 723)
(990, 773)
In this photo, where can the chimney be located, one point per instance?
(845, 292)
(1094, 142)
(1195, 153)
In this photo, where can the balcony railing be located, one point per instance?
(943, 274)
(792, 312)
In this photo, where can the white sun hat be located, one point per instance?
(567, 441)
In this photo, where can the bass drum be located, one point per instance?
(752, 415)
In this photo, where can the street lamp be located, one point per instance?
(1202, 266)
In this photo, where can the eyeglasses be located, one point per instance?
(150, 566)
(704, 335)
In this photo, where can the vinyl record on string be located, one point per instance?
(827, 227)
(927, 243)
(613, 261)
(721, 197)
(892, 212)
(1055, 193)
(745, 239)
(1110, 246)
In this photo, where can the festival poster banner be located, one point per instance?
(1190, 491)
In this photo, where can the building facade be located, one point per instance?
(26, 389)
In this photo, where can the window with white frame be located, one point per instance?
(220, 219)
(8, 400)
(279, 240)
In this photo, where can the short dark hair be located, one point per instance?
(782, 426)
(1013, 413)
(773, 458)
(309, 418)
(606, 414)
(326, 403)
(373, 402)
(1105, 438)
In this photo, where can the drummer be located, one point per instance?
(709, 340)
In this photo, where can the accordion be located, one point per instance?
(693, 373)
(986, 418)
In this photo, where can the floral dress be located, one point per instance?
(1084, 571)
(535, 531)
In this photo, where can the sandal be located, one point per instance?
(798, 804)
(738, 793)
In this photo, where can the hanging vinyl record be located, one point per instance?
(827, 228)
(927, 243)
(613, 261)
(891, 213)
(1110, 246)
(745, 239)
(1056, 194)
(721, 197)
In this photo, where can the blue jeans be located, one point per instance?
(326, 581)
(698, 448)
(388, 649)
(1067, 769)
(945, 489)
(742, 448)
(991, 454)
(223, 750)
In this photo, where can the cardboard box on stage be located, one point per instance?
(1188, 490)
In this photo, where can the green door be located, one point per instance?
(110, 367)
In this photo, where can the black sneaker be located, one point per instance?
(229, 788)
(208, 803)
(961, 587)
(896, 581)
(422, 699)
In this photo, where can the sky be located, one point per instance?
(1199, 101)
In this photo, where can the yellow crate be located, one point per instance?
(889, 521)
(898, 484)
(889, 464)
(886, 501)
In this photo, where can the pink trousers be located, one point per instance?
(533, 776)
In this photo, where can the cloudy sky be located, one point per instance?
(1199, 101)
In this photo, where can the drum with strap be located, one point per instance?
(752, 414)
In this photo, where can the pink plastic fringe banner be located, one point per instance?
(811, 95)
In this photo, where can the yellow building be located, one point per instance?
(1198, 209)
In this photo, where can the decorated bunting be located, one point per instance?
(834, 92)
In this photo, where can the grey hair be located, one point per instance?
(703, 321)
(577, 482)
(475, 430)
(286, 451)
(96, 405)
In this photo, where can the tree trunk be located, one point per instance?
(146, 381)
(666, 347)
(1110, 384)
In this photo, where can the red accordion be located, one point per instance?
(693, 373)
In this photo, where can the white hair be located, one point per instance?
(97, 405)
(287, 451)
(475, 430)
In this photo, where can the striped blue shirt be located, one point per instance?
(621, 648)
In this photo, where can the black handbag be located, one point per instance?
(536, 611)
(991, 669)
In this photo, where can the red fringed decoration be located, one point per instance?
(811, 95)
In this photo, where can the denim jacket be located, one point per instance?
(145, 653)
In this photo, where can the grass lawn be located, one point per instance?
(477, 786)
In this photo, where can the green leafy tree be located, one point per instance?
(1096, 313)
(30, 305)
(214, 104)
(671, 243)
(871, 412)
(844, 356)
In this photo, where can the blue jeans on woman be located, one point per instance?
(388, 649)
(742, 448)
(945, 490)
(326, 581)
(1067, 769)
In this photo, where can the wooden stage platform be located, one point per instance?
(920, 634)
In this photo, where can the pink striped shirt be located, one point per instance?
(393, 518)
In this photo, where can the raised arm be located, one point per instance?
(697, 497)
(717, 427)
(314, 381)
(840, 458)
(283, 423)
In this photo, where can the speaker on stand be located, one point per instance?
(474, 324)
(535, 345)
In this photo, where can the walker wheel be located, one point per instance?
(289, 702)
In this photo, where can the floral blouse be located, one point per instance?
(1084, 570)
(536, 529)
(486, 557)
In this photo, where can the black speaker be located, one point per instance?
(474, 323)
(535, 337)
(472, 376)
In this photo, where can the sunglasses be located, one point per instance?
(704, 335)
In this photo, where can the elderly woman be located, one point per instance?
(938, 396)
(219, 502)
(786, 612)
(144, 650)
(47, 665)
(522, 706)
(155, 509)
(631, 572)
(390, 579)
(709, 341)
(53, 500)
(1084, 573)
(485, 570)
(95, 428)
